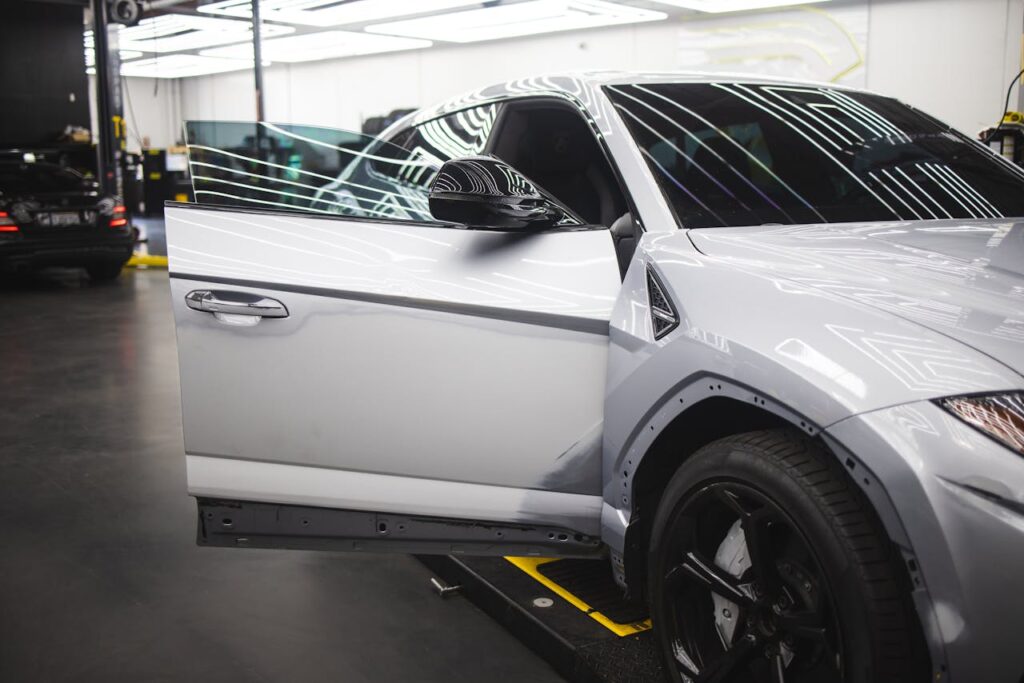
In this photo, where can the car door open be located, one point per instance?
(355, 374)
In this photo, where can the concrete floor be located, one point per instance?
(151, 229)
(100, 578)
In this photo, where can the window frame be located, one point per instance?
(550, 97)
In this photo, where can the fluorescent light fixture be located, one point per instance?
(718, 6)
(331, 12)
(322, 45)
(182, 66)
(90, 53)
(90, 56)
(176, 32)
(522, 19)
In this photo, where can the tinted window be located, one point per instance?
(457, 135)
(300, 168)
(729, 154)
(16, 179)
(552, 145)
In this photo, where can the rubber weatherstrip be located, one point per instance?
(563, 322)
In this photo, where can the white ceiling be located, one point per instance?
(214, 37)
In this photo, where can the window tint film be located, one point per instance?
(460, 134)
(733, 154)
(305, 168)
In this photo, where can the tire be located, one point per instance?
(767, 563)
(105, 271)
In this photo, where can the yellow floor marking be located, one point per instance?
(147, 260)
(530, 564)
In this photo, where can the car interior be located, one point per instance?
(552, 145)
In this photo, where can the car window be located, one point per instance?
(551, 144)
(303, 168)
(464, 133)
(26, 178)
(734, 154)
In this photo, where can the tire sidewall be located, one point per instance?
(742, 463)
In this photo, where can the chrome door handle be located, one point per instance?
(235, 303)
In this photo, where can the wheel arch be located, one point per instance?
(707, 408)
(701, 410)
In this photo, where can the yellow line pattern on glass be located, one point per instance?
(530, 564)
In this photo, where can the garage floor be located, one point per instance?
(100, 579)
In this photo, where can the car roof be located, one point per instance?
(579, 83)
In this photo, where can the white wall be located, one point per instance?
(344, 92)
(156, 104)
(952, 58)
(155, 111)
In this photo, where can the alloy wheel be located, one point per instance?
(745, 597)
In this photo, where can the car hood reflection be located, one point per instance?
(963, 279)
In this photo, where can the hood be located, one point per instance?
(962, 279)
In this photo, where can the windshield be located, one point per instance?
(308, 169)
(733, 154)
(28, 179)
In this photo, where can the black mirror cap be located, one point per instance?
(485, 192)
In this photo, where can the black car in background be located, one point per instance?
(51, 215)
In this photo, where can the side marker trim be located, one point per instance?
(564, 322)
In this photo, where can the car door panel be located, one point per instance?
(421, 369)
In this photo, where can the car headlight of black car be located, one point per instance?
(1000, 416)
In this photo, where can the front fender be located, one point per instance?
(806, 355)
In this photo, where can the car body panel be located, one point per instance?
(330, 487)
(834, 358)
(960, 497)
(368, 373)
(963, 279)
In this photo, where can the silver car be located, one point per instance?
(760, 343)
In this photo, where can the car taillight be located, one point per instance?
(7, 223)
(119, 219)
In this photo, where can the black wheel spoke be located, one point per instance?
(683, 664)
(755, 523)
(720, 670)
(779, 609)
(732, 501)
(778, 665)
(696, 568)
(761, 551)
(805, 625)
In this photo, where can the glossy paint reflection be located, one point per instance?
(936, 274)
(959, 497)
(482, 191)
(568, 273)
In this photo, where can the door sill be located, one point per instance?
(244, 524)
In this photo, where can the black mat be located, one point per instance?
(591, 581)
(578, 647)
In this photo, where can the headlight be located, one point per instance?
(1001, 416)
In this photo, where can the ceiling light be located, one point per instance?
(90, 52)
(90, 56)
(331, 12)
(718, 6)
(323, 45)
(527, 18)
(182, 66)
(175, 32)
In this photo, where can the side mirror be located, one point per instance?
(485, 192)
